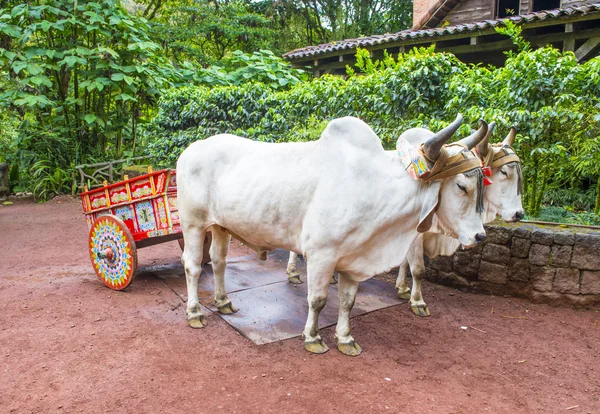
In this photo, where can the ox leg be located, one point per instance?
(293, 275)
(347, 289)
(218, 255)
(417, 268)
(319, 275)
(192, 263)
(401, 282)
(334, 278)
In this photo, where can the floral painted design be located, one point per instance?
(98, 202)
(162, 213)
(145, 216)
(117, 198)
(115, 271)
(124, 213)
(160, 186)
(142, 192)
(172, 203)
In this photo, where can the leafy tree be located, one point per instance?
(554, 101)
(204, 32)
(82, 75)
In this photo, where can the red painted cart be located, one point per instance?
(128, 215)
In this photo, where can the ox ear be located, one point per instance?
(430, 204)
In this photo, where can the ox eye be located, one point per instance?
(504, 173)
(462, 188)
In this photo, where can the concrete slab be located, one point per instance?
(270, 308)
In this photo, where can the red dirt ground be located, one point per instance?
(68, 344)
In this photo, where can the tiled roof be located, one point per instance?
(365, 42)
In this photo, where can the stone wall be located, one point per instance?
(544, 263)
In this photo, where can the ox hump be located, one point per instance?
(353, 131)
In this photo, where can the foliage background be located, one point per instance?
(553, 100)
(84, 81)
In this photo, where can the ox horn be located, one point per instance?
(510, 138)
(433, 145)
(482, 146)
(483, 132)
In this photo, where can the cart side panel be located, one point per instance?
(126, 214)
(141, 188)
(173, 211)
(161, 213)
(118, 195)
(173, 180)
(98, 200)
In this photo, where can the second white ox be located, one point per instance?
(502, 197)
(340, 201)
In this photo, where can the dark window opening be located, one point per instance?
(539, 5)
(507, 8)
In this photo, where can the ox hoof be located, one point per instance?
(197, 322)
(420, 310)
(316, 347)
(227, 308)
(403, 294)
(350, 348)
(334, 279)
(294, 279)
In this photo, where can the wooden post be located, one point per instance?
(569, 42)
(106, 194)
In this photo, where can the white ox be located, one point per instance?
(503, 198)
(415, 136)
(341, 201)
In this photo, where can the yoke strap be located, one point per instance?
(448, 166)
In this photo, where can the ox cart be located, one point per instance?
(127, 215)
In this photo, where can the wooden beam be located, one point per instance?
(586, 48)
(535, 40)
(337, 65)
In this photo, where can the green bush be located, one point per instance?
(553, 100)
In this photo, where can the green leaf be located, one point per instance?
(89, 118)
(70, 61)
(18, 66)
(19, 10)
(125, 97)
(10, 55)
(10, 30)
(46, 25)
(34, 69)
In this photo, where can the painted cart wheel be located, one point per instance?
(205, 250)
(113, 252)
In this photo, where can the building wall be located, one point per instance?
(575, 3)
(543, 263)
(421, 8)
(469, 11)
